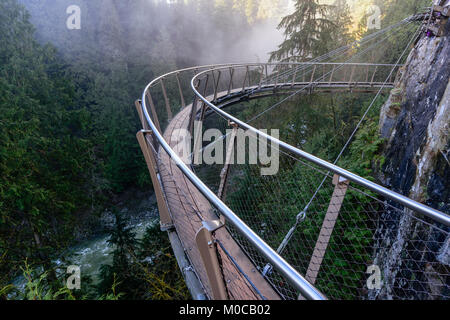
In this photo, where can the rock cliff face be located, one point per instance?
(415, 122)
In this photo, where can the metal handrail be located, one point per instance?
(295, 278)
(407, 202)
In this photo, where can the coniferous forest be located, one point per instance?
(68, 123)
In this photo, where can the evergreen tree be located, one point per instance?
(123, 240)
(44, 145)
(341, 34)
(306, 30)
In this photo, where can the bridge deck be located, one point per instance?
(188, 208)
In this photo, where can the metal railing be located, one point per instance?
(407, 202)
(214, 88)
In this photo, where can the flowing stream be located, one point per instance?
(94, 252)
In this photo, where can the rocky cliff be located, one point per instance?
(415, 122)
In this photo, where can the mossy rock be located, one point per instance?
(396, 92)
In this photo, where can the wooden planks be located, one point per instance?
(188, 208)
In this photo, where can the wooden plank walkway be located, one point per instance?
(188, 208)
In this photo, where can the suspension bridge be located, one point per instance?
(310, 232)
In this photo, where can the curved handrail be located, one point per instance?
(296, 279)
(407, 202)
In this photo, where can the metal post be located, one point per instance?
(332, 74)
(226, 168)
(294, 76)
(323, 74)
(208, 252)
(313, 73)
(144, 122)
(204, 105)
(245, 78)
(138, 104)
(183, 103)
(144, 139)
(153, 110)
(351, 76)
(373, 76)
(230, 86)
(277, 77)
(341, 186)
(261, 77)
(166, 99)
(194, 109)
(216, 84)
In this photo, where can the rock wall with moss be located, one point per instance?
(415, 124)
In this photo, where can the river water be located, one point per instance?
(92, 253)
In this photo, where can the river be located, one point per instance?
(90, 254)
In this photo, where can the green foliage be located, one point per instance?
(123, 240)
(320, 125)
(143, 269)
(67, 115)
(305, 31)
(44, 146)
(313, 29)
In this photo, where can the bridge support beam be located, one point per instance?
(144, 138)
(341, 186)
(208, 252)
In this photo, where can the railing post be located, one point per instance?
(143, 138)
(216, 84)
(183, 102)
(277, 78)
(144, 123)
(391, 77)
(153, 110)
(194, 109)
(295, 75)
(261, 77)
(208, 252)
(332, 74)
(166, 99)
(351, 76)
(204, 105)
(322, 78)
(341, 186)
(230, 85)
(373, 76)
(313, 73)
(226, 168)
(245, 78)
(138, 104)
(367, 74)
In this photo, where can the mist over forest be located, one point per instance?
(187, 32)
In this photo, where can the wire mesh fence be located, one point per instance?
(341, 250)
(346, 240)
